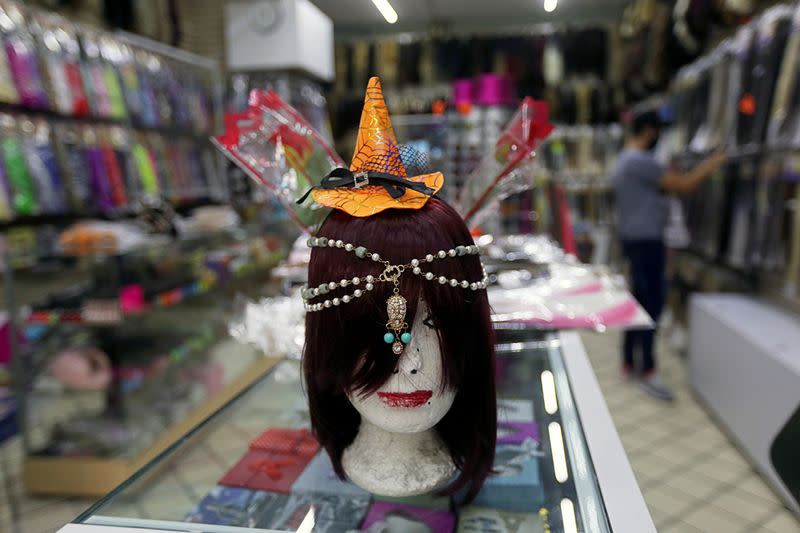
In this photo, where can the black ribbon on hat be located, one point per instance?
(344, 177)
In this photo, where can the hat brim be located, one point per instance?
(373, 199)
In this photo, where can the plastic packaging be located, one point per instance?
(507, 168)
(275, 146)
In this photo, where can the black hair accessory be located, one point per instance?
(344, 177)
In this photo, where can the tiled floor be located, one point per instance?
(692, 478)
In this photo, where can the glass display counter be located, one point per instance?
(546, 478)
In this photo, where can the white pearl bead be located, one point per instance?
(369, 286)
(465, 284)
(357, 293)
(327, 303)
(332, 243)
(339, 244)
(414, 262)
(348, 247)
(332, 285)
(451, 252)
(356, 280)
(473, 286)
(336, 301)
(344, 283)
(370, 279)
(442, 280)
(417, 270)
(429, 258)
(376, 257)
(346, 298)
(429, 275)
(453, 282)
(442, 254)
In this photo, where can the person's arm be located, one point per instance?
(685, 183)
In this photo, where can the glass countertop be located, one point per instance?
(544, 480)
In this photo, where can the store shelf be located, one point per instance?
(93, 477)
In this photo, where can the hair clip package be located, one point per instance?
(43, 166)
(507, 168)
(22, 58)
(23, 190)
(275, 146)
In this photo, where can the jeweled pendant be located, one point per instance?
(396, 310)
(397, 347)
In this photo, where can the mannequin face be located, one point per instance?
(411, 400)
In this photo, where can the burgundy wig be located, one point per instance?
(337, 338)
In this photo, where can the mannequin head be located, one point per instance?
(444, 376)
(413, 399)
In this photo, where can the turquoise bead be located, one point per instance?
(461, 250)
(405, 337)
(361, 252)
(388, 338)
(323, 241)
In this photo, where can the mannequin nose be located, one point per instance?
(410, 362)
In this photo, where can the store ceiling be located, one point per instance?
(354, 16)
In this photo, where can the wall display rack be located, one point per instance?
(742, 96)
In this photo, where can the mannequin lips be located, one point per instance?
(405, 399)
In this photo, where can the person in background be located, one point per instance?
(640, 183)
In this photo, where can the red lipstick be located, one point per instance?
(405, 399)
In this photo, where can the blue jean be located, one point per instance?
(647, 261)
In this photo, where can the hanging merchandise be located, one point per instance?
(113, 168)
(6, 208)
(505, 169)
(22, 58)
(43, 166)
(784, 123)
(23, 191)
(94, 78)
(70, 151)
(277, 148)
(110, 52)
(744, 46)
(773, 32)
(145, 167)
(102, 196)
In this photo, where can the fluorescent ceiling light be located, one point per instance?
(549, 5)
(387, 10)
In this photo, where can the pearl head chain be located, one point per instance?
(391, 273)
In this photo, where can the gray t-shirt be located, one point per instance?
(641, 207)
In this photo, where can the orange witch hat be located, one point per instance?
(377, 150)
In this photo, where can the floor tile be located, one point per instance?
(741, 504)
(711, 520)
(782, 522)
(694, 485)
(669, 500)
(754, 486)
(681, 527)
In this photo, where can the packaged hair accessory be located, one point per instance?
(111, 54)
(70, 152)
(273, 144)
(22, 58)
(506, 169)
(94, 77)
(23, 191)
(43, 166)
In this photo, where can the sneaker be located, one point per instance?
(653, 385)
(626, 374)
